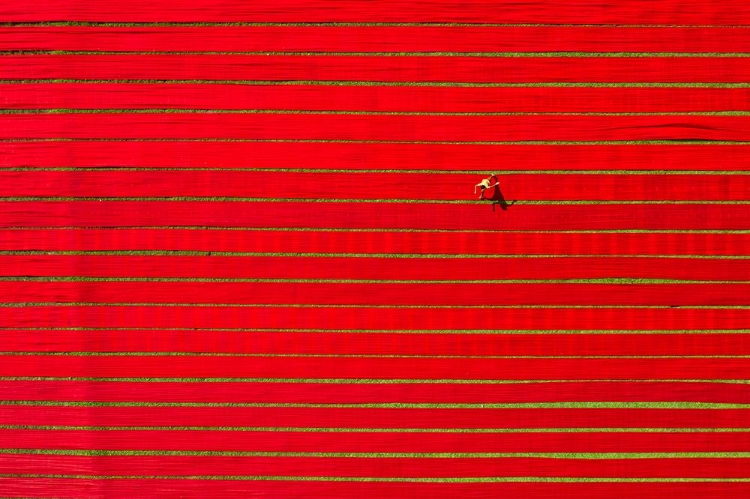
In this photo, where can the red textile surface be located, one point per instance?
(240, 254)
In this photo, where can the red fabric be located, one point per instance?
(196, 489)
(366, 156)
(374, 39)
(372, 318)
(300, 295)
(470, 69)
(420, 243)
(414, 392)
(381, 441)
(669, 12)
(371, 99)
(379, 186)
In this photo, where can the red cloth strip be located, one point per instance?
(399, 128)
(375, 318)
(311, 417)
(353, 215)
(372, 98)
(160, 466)
(393, 294)
(682, 344)
(488, 158)
(374, 39)
(263, 184)
(334, 367)
(378, 69)
(451, 243)
(671, 12)
(430, 269)
(334, 441)
(320, 393)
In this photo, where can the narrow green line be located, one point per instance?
(11, 199)
(420, 256)
(705, 142)
(401, 142)
(231, 170)
(391, 455)
(391, 405)
(365, 83)
(166, 354)
(612, 280)
(367, 306)
(276, 478)
(298, 53)
(354, 381)
(392, 230)
(522, 332)
(149, 111)
(278, 429)
(107, 24)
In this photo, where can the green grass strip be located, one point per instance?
(612, 280)
(11, 199)
(242, 331)
(264, 478)
(278, 429)
(147, 24)
(149, 111)
(364, 83)
(294, 53)
(354, 381)
(386, 455)
(392, 405)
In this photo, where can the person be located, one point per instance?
(485, 184)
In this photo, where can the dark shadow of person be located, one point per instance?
(498, 198)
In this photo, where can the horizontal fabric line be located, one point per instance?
(145, 24)
(531, 479)
(333, 355)
(374, 367)
(379, 318)
(382, 98)
(497, 455)
(365, 83)
(400, 128)
(368, 268)
(367, 37)
(355, 230)
(378, 294)
(294, 280)
(379, 440)
(22, 305)
(458, 344)
(476, 11)
(296, 214)
(369, 417)
(274, 429)
(324, 112)
(125, 489)
(176, 254)
(394, 405)
(369, 156)
(387, 331)
(427, 53)
(360, 391)
(538, 202)
(370, 381)
(372, 68)
(591, 143)
(559, 174)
